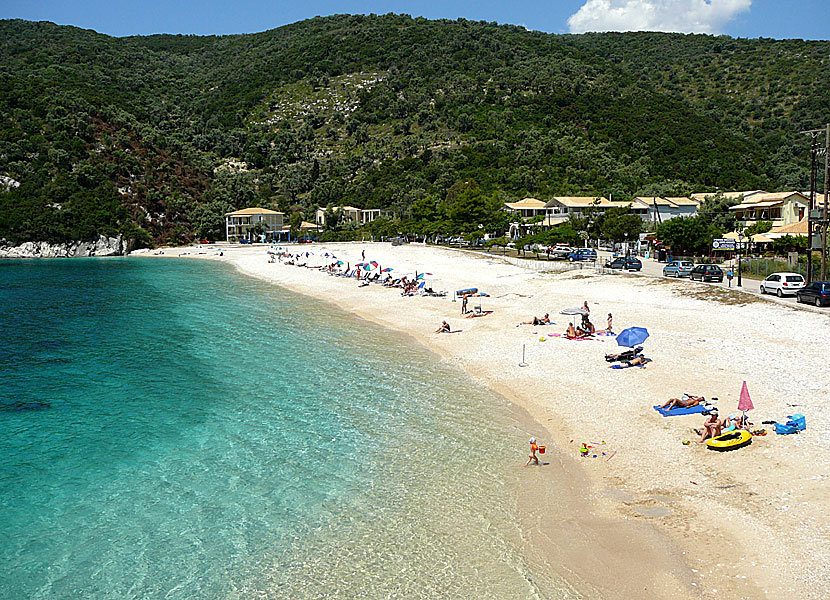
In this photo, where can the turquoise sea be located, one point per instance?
(173, 429)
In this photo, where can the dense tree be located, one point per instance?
(688, 235)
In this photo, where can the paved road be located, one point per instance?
(652, 268)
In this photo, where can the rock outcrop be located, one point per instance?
(102, 246)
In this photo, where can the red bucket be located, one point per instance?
(541, 449)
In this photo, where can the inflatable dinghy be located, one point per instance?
(730, 441)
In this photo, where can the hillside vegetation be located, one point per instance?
(156, 137)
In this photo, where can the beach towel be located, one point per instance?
(677, 410)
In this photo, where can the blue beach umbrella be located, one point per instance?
(633, 336)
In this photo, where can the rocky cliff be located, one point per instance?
(102, 246)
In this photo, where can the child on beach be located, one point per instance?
(610, 319)
(533, 448)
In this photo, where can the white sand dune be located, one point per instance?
(662, 519)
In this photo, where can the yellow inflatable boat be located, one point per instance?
(730, 441)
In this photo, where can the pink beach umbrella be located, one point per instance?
(745, 402)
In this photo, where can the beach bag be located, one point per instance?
(799, 420)
(795, 423)
(785, 428)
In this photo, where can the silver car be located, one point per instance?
(678, 268)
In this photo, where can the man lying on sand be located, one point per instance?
(537, 321)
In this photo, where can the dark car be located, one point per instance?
(817, 292)
(706, 273)
(245, 241)
(583, 254)
(630, 263)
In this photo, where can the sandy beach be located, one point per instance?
(652, 517)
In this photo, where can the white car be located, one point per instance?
(782, 283)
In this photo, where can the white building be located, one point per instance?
(781, 208)
(579, 205)
(360, 216)
(239, 223)
(660, 208)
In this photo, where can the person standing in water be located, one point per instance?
(533, 449)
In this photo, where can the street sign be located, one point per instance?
(723, 244)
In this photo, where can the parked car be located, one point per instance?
(782, 283)
(583, 254)
(706, 273)
(630, 263)
(678, 268)
(205, 241)
(561, 250)
(245, 241)
(817, 292)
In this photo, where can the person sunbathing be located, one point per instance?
(686, 401)
(638, 361)
(445, 328)
(570, 331)
(734, 423)
(712, 427)
(537, 321)
(624, 355)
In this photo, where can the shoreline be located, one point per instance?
(623, 512)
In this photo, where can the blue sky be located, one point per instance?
(808, 19)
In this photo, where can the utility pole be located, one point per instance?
(813, 152)
(824, 218)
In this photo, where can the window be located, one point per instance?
(795, 278)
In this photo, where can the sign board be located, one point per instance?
(723, 244)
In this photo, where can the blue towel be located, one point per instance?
(681, 411)
(625, 366)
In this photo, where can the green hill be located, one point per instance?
(156, 137)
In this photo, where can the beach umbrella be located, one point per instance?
(387, 270)
(745, 402)
(633, 336)
(574, 311)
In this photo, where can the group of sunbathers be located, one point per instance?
(713, 426)
(584, 329)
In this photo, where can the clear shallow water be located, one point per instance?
(172, 429)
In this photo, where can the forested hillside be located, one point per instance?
(156, 137)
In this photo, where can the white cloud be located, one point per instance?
(685, 16)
